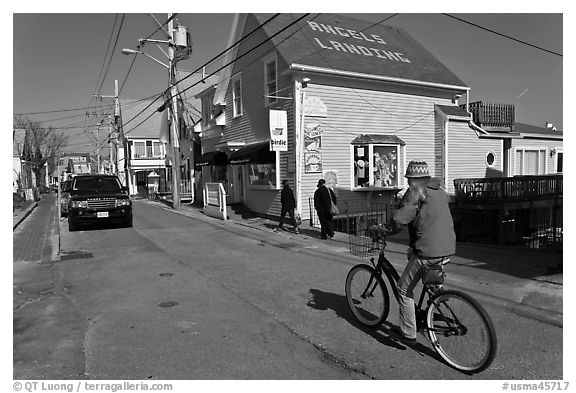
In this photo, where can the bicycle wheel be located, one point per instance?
(366, 295)
(461, 331)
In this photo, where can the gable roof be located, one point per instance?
(342, 43)
(135, 112)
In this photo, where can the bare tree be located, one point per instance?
(41, 145)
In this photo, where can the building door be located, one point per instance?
(236, 184)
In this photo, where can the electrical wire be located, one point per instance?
(503, 35)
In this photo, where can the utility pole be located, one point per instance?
(174, 119)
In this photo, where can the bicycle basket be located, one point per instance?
(433, 274)
(359, 223)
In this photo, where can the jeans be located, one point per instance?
(408, 281)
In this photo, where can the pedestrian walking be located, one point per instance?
(288, 206)
(424, 208)
(323, 198)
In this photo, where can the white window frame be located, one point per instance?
(371, 179)
(143, 143)
(270, 97)
(523, 149)
(236, 101)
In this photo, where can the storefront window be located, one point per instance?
(262, 175)
(376, 165)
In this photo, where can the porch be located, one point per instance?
(521, 210)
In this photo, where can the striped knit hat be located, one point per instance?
(417, 169)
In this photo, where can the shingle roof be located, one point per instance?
(377, 139)
(454, 110)
(529, 129)
(348, 44)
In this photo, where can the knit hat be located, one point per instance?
(417, 169)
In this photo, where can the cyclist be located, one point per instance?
(424, 208)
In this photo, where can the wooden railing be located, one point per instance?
(517, 188)
(486, 114)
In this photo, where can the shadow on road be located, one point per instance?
(336, 302)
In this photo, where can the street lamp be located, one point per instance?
(127, 51)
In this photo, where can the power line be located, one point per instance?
(503, 35)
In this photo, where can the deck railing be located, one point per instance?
(487, 114)
(517, 188)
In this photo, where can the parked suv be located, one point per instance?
(98, 199)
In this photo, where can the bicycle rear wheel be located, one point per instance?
(367, 296)
(461, 331)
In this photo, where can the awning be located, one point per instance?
(258, 153)
(367, 139)
(212, 158)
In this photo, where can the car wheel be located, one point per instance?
(71, 227)
(129, 223)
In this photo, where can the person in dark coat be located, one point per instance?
(322, 204)
(288, 205)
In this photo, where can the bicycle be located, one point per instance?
(459, 329)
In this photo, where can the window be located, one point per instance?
(139, 149)
(530, 161)
(376, 165)
(270, 81)
(157, 149)
(237, 96)
(262, 175)
(490, 158)
(148, 149)
(559, 161)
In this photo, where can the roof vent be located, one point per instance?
(550, 126)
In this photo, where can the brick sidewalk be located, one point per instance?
(32, 240)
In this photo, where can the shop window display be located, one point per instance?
(376, 166)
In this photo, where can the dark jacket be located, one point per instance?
(287, 198)
(430, 223)
(322, 199)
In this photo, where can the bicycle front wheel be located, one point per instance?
(461, 331)
(367, 296)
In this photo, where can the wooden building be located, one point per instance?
(359, 101)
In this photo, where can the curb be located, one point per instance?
(16, 221)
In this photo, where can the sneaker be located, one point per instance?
(296, 231)
(277, 229)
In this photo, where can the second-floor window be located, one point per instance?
(270, 80)
(237, 96)
(148, 149)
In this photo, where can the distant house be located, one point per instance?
(20, 173)
(141, 153)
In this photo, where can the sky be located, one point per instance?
(60, 59)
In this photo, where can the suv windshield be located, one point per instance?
(98, 184)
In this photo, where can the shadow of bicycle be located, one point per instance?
(336, 302)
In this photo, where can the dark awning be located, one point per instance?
(212, 158)
(367, 139)
(258, 153)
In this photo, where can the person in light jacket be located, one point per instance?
(424, 209)
(322, 204)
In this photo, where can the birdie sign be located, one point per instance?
(278, 130)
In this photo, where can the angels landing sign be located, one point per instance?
(355, 42)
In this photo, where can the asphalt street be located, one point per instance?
(200, 272)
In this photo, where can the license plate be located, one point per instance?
(102, 214)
